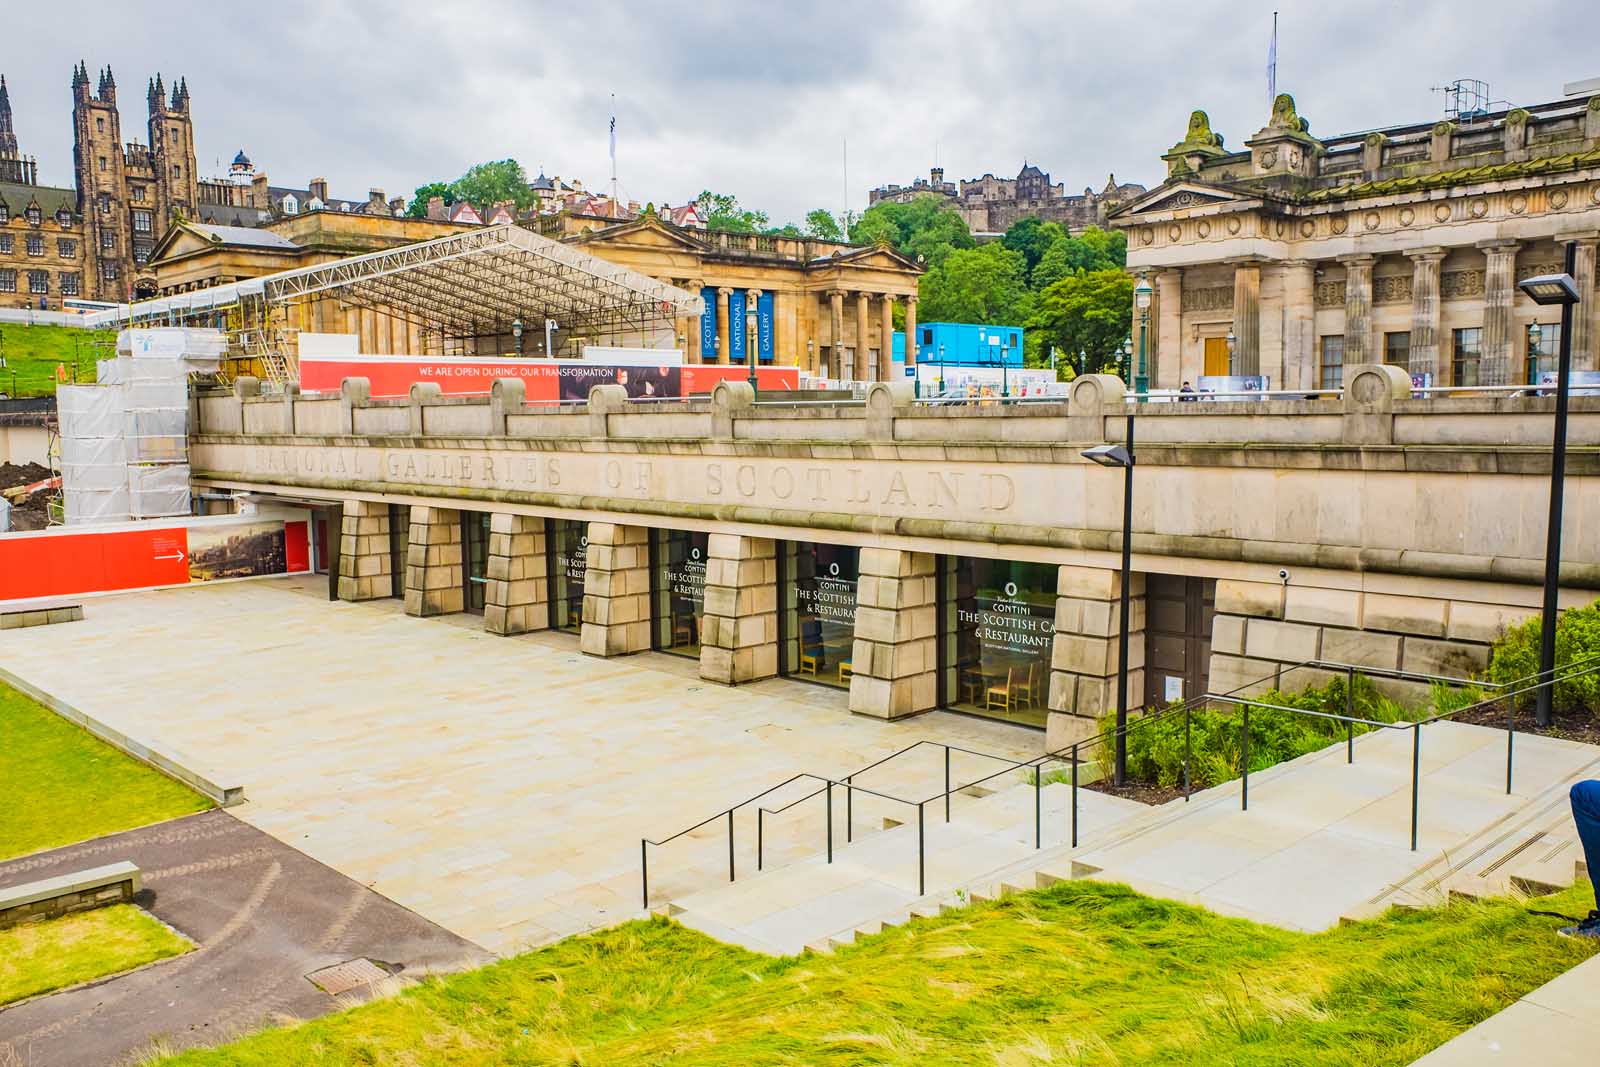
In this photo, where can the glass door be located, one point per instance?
(566, 555)
(677, 590)
(474, 560)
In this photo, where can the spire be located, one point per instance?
(110, 78)
(158, 95)
(8, 136)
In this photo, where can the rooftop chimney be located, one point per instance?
(319, 189)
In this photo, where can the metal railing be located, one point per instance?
(1073, 757)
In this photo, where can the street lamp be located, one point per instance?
(1142, 295)
(1547, 289)
(941, 370)
(1121, 456)
(1126, 353)
(752, 344)
(516, 334)
(550, 328)
(1229, 340)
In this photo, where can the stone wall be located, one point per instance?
(433, 562)
(894, 658)
(50, 898)
(1084, 662)
(739, 630)
(517, 592)
(364, 552)
(616, 590)
(1262, 629)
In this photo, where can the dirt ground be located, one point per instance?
(31, 513)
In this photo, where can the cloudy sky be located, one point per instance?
(759, 99)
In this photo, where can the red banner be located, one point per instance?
(547, 380)
(67, 562)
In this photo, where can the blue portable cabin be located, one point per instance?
(965, 344)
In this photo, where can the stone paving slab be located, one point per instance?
(263, 916)
(1553, 1026)
(428, 759)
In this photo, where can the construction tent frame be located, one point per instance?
(468, 284)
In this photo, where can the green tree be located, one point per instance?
(987, 284)
(419, 202)
(822, 226)
(1086, 315)
(489, 183)
(1032, 237)
(923, 229)
(722, 211)
(1093, 249)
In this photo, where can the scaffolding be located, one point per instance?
(466, 285)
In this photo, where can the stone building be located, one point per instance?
(992, 205)
(1297, 256)
(95, 239)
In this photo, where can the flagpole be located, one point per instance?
(1272, 64)
(613, 155)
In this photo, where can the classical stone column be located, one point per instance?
(911, 326)
(1169, 331)
(1585, 313)
(1494, 366)
(1083, 660)
(1247, 318)
(516, 595)
(1424, 355)
(616, 590)
(739, 627)
(894, 659)
(1299, 325)
(836, 315)
(886, 339)
(692, 328)
(1358, 310)
(723, 339)
(863, 364)
(433, 562)
(364, 557)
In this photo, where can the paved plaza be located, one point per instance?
(497, 786)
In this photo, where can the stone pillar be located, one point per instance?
(911, 323)
(723, 340)
(836, 313)
(1083, 662)
(863, 365)
(886, 339)
(1299, 324)
(616, 590)
(1169, 331)
(433, 562)
(364, 559)
(894, 658)
(517, 594)
(1424, 358)
(1358, 347)
(1247, 318)
(1499, 290)
(1585, 313)
(739, 629)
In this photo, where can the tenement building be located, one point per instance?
(992, 205)
(1296, 257)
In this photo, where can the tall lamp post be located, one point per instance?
(1142, 295)
(1121, 456)
(549, 337)
(1544, 290)
(752, 345)
(516, 334)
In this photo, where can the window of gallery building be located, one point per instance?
(996, 629)
(677, 590)
(567, 559)
(817, 611)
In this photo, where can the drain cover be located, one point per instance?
(343, 977)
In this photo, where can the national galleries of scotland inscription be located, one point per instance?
(890, 485)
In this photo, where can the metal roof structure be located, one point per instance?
(473, 283)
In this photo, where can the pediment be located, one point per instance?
(879, 256)
(1181, 197)
(644, 233)
(179, 240)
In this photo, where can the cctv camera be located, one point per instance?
(1283, 576)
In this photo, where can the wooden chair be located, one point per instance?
(808, 663)
(1000, 696)
(846, 671)
(1028, 691)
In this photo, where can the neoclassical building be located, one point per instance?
(1297, 256)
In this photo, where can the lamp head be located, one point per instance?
(1109, 456)
(1550, 289)
(516, 328)
(1535, 335)
(1143, 293)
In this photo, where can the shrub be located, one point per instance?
(1515, 657)
(1156, 745)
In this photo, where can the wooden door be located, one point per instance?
(1177, 636)
(1216, 356)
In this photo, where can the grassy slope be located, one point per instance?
(38, 957)
(1081, 973)
(63, 785)
(33, 352)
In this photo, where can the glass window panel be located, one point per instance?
(1332, 376)
(1397, 348)
(1465, 354)
(677, 590)
(818, 587)
(997, 629)
(568, 545)
(475, 559)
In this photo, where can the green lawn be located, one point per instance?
(33, 353)
(1081, 973)
(38, 957)
(63, 785)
